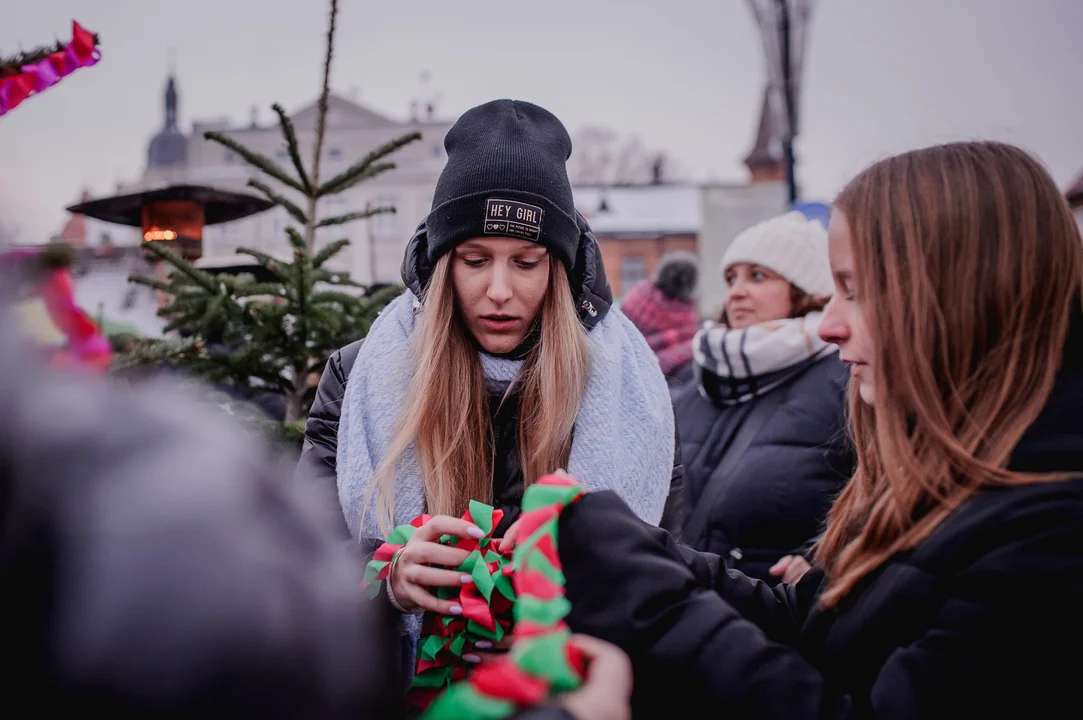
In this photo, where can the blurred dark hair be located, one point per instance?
(677, 275)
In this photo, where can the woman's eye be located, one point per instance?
(730, 279)
(528, 264)
(759, 276)
(474, 262)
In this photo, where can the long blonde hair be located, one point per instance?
(968, 266)
(446, 415)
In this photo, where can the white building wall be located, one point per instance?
(727, 210)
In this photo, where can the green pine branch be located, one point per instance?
(292, 146)
(256, 289)
(156, 351)
(335, 278)
(325, 94)
(273, 265)
(350, 217)
(335, 296)
(368, 174)
(150, 282)
(203, 279)
(262, 162)
(359, 170)
(329, 251)
(296, 240)
(278, 199)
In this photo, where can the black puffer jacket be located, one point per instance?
(593, 298)
(776, 497)
(980, 620)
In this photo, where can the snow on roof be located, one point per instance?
(640, 209)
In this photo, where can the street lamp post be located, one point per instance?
(783, 27)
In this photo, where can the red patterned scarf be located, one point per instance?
(669, 325)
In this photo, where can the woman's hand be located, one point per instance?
(415, 569)
(791, 568)
(607, 692)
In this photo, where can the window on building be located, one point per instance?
(385, 225)
(334, 154)
(633, 268)
(281, 154)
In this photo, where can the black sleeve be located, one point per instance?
(990, 651)
(673, 513)
(316, 466)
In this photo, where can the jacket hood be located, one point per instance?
(590, 286)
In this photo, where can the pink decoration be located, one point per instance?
(36, 78)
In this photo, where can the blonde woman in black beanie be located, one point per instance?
(503, 362)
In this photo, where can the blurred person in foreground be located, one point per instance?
(663, 308)
(155, 563)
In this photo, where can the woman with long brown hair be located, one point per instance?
(503, 362)
(950, 576)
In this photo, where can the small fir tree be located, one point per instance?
(272, 336)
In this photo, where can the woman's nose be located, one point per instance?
(499, 290)
(833, 328)
(738, 289)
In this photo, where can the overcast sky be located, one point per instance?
(685, 76)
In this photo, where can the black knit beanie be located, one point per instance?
(506, 176)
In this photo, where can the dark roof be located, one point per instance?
(767, 149)
(219, 206)
(169, 148)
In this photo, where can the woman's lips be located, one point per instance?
(499, 323)
(855, 368)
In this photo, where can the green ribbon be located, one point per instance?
(543, 655)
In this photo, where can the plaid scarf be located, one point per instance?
(735, 366)
(669, 325)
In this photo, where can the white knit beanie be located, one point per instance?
(792, 246)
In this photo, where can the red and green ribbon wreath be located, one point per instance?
(518, 591)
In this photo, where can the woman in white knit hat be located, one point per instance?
(762, 425)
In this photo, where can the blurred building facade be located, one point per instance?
(635, 224)
(352, 131)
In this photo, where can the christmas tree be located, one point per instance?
(273, 336)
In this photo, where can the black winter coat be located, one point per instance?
(316, 466)
(776, 497)
(982, 619)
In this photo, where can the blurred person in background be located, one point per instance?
(762, 426)
(664, 310)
